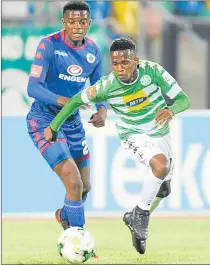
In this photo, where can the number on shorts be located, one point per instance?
(85, 149)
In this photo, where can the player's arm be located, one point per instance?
(98, 119)
(171, 88)
(38, 74)
(87, 96)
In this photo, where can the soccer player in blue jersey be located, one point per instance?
(63, 62)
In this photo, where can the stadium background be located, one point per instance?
(116, 179)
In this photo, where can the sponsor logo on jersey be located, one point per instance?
(36, 70)
(92, 92)
(91, 58)
(145, 80)
(136, 102)
(60, 53)
(78, 79)
(75, 70)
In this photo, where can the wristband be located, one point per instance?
(54, 137)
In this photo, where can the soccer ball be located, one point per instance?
(76, 245)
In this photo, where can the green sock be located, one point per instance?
(155, 204)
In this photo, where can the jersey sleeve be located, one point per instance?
(95, 76)
(181, 103)
(39, 71)
(166, 82)
(94, 94)
(171, 88)
(97, 92)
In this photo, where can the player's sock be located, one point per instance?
(63, 214)
(155, 203)
(150, 189)
(84, 198)
(75, 212)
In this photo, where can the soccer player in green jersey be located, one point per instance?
(134, 91)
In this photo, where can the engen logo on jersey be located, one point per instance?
(74, 71)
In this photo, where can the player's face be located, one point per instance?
(76, 24)
(124, 63)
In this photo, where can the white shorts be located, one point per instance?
(143, 147)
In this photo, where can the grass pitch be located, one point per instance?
(171, 241)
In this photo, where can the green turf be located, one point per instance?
(171, 241)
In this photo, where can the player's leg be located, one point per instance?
(84, 169)
(147, 152)
(164, 191)
(73, 209)
(75, 135)
(158, 170)
(59, 158)
(165, 188)
(83, 164)
(79, 150)
(140, 214)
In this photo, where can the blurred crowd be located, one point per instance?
(120, 17)
(158, 35)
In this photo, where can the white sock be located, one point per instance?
(149, 191)
(155, 204)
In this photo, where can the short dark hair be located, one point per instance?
(76, 5)
(122, 44)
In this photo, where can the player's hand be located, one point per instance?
(163, 117)
(62, 100)
(98, 119)
(50, 135)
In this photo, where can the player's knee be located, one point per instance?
(161, 171)
(165, 189)
(160, 166)
(76, 185)
(72, 180)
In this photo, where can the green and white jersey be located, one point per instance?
(136, 103)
